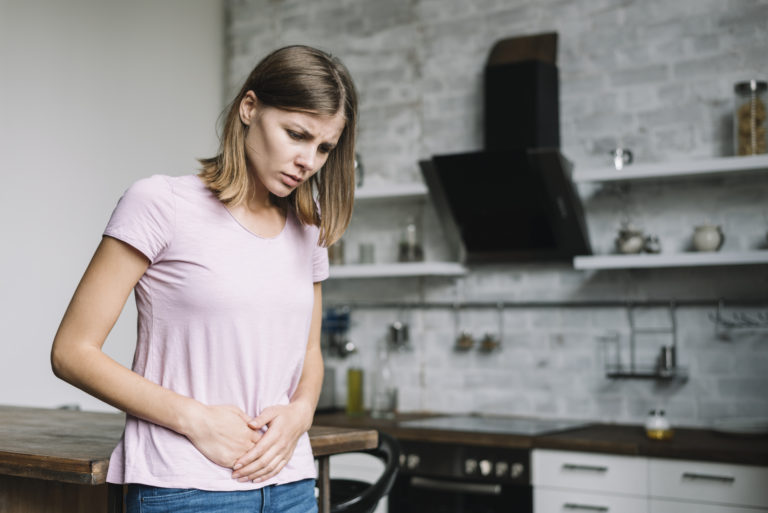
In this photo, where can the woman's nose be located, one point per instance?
(306, 158)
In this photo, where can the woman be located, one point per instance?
(226, 267)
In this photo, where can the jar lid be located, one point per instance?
(751, 86)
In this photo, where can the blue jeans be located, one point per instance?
(298, 497)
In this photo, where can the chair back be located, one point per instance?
(369, 496)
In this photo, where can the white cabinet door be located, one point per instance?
(550, 500)
(661, 506)
(360, 467)
(739, 485)
(590, 472)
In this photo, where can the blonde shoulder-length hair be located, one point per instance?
(297, 78)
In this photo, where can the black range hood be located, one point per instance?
(514, 201)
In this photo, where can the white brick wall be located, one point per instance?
(656, 76)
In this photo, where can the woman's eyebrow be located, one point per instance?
(306, 133)
(298, 127)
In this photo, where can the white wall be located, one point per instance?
(94, 94)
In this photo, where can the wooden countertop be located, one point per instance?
(74, 446)
(687, 443)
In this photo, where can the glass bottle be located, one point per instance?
(384, 392)
(749, 118)
(409, 249)
(355, 407)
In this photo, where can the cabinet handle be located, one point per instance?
(708, 477)
(591, 468)
(584, 507)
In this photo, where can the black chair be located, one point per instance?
(351, 496)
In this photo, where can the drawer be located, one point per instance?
(571, 501)
(662, 506)
(590, 472)
(709, 482)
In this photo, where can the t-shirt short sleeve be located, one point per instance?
(144, 216)
(320, 269)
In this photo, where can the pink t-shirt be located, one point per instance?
(223, 317)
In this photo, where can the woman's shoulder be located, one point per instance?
(159, 185)
(150, 186)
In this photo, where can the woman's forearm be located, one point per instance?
(91, 370)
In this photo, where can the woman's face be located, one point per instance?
(285, 148)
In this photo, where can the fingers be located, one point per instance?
(265, 460)
(265, 417)
(264, 467)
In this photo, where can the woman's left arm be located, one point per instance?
(285, 424)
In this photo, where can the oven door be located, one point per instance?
(421, 494)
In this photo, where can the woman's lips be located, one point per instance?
(290, 180)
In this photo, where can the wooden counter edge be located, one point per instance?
(329, 440)
(47, 468)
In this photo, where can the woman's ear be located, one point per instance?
(248, 107)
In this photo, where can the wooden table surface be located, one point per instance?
(74, 447)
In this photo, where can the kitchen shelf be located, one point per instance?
(398, 270)
(619, 372)
(392, 191)
(670, 260)
(683, 168)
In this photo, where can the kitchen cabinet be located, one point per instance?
(687, 169)
(573, 481)
(702, 486)
(581, 481)
(555, 501)
(392, 194)
(360, 467)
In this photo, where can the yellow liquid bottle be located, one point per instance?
(355, 392)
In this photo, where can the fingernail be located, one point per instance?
(242, 480)
(238, 466)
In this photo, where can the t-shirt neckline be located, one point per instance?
(288, 214)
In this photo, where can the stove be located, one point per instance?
(446, 477)
(493, 424)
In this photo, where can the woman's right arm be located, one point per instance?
(221, 433)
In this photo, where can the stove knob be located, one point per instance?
(502, 469)
(402, 459)
(470, 466)
(413, 461)
(485, 467)
(517, 469)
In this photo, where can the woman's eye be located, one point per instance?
(324, 149)
(295, 135)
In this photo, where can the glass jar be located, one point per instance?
(749, 123)
(657, 426)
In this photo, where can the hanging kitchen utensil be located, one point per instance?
(464, 340)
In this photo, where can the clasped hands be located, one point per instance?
(228, 437)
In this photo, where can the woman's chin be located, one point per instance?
(282, 190)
